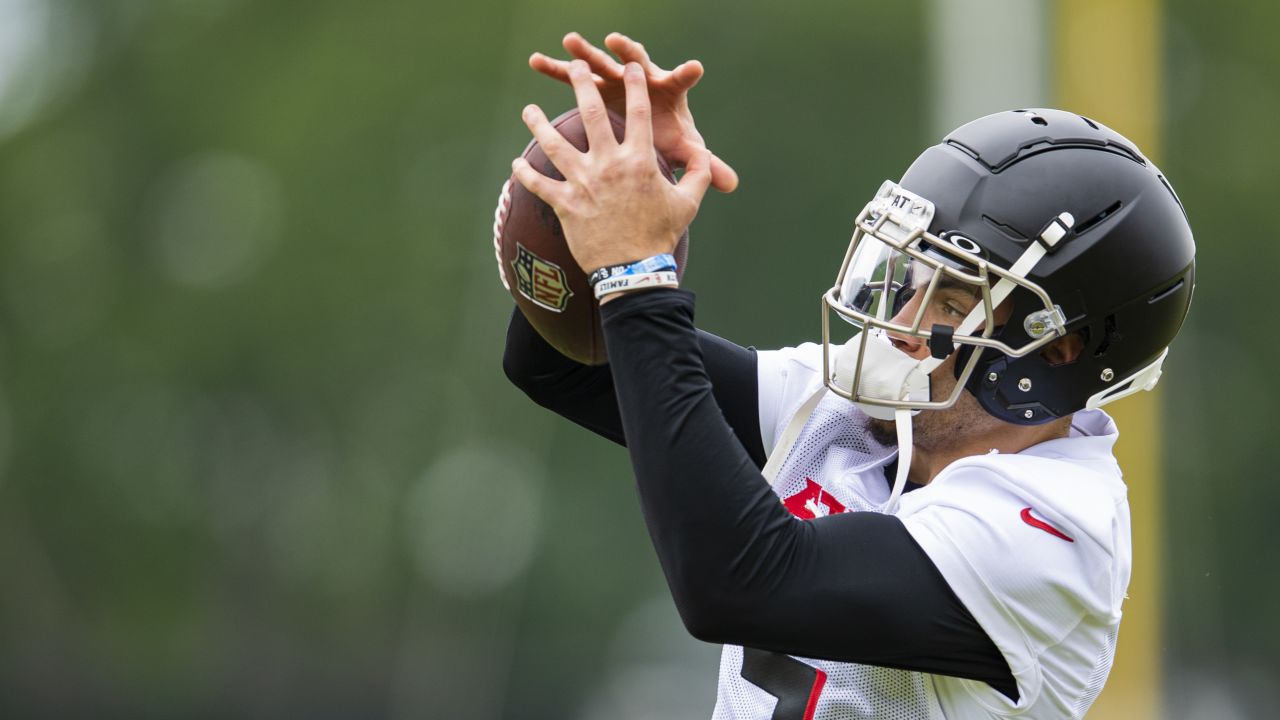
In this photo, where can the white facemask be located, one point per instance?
(887, 374)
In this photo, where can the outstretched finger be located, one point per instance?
(595, 119)
(697, 176)
(557, 69)
(631, 51)
(601, 62)
(554, 146)
(548, 190)
(639, 113)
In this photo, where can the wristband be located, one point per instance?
(621, 283)
(657, 263)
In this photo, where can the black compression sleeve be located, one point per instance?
(584, 394)
(581, 393)
(853, 587)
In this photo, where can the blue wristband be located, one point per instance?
(658, 263)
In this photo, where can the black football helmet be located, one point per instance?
(1019, 228)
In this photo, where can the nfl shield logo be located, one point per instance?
(542, 282)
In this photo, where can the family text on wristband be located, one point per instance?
(622, 283)
(657, 263)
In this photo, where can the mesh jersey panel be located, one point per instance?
(835, 451)
(1098, 677)
(851, 692)
(834, 466)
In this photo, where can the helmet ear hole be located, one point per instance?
(1063, 351)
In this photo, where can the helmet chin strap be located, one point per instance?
(902, 421)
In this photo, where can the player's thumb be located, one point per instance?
(687, 74)
(723, 177)
(697, 176)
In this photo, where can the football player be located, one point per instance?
(924, 520)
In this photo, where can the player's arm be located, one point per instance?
(853, 587)
(585, 394)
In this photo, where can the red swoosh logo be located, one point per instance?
(1035, 522)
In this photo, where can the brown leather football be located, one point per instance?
(534, 261)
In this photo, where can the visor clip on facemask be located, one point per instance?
(940, 342)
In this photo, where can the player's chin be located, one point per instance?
(884, 432)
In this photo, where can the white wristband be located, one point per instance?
(622, 283)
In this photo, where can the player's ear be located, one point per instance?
(1063, 350)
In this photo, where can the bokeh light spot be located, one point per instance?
(472, 521)
(217, 220)
(44, 49)
(655, 669)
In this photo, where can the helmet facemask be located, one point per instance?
(900, 279)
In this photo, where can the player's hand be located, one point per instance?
(614, 204)
(674, 133)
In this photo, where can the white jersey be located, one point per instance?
(1035, 545)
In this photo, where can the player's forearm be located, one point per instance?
(715, 523)
(585, 394)
(581, 393)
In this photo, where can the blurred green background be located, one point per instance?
(257, 454)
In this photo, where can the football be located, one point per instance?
(534, 261)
